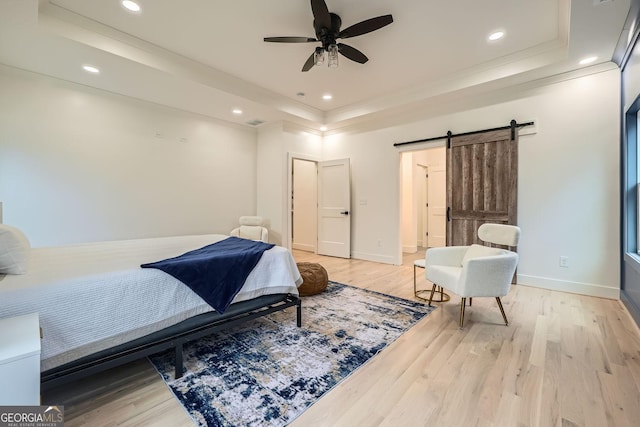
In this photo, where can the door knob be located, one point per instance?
(344, 213)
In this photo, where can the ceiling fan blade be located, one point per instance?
(321, 17)
(310, 63)
(365, 27)
(352, 53)
(288, 39)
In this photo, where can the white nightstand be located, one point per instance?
(20, 360)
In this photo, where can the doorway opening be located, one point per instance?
(319, 206)
(304, 205)
(423, 201)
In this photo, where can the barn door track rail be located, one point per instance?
(513, 126)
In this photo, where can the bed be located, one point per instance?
(99, 309)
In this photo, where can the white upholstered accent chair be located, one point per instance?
(476, 270)
(251, 228)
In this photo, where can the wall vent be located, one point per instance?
(255, 122)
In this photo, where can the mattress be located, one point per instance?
(95, 296)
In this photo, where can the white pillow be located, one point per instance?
(14, 250)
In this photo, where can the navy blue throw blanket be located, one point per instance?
(215, 272)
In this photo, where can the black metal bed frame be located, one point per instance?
(172, 337)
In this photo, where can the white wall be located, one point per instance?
(408, 220)
(276, 142)
(271, 184)
(78, 165)
(569, 187)
(568, 181)
(375, 192)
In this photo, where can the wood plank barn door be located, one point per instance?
(482, 183)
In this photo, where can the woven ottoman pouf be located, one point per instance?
(315, 278)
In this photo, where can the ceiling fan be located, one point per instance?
(327, 29)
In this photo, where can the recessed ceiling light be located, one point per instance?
(588, 60)
(496, 36)
(131, 5)
(236, 111)
(323, 128)
(90, 69)
(327, 97)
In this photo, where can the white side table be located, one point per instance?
(20, 360)
(439, 294)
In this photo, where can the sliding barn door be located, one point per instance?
(482, 183)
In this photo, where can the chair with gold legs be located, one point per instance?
(476, 270)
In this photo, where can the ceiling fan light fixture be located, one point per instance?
(327, 29)
(333, 56)
(318, 57)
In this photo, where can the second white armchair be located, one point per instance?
(251, 228)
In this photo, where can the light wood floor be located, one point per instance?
(565, 360)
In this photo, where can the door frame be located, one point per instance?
(424, 183)
(401, 151)
(289, 207)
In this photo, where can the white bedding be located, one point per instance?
(94, 296)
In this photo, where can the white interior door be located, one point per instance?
(334, 208)
(436, 206)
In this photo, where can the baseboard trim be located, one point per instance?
(303, 247)
(631, 307)
(385, 259)
(568, 286)
(410, 249)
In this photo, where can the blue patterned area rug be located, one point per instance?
(266, 372)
